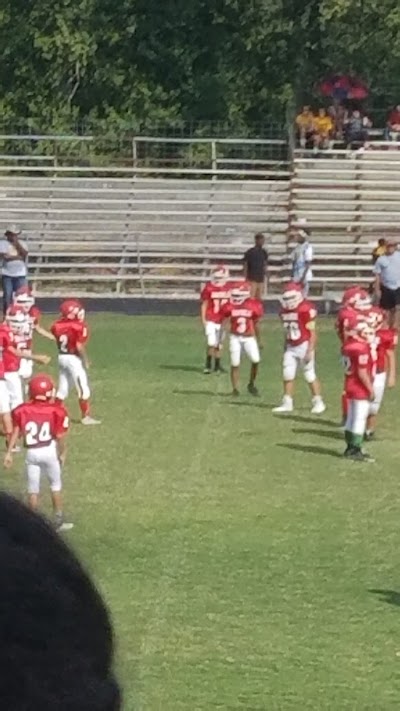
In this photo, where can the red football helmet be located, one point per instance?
(357, 297)
(41, 387)
(71, 309)
(240, 293)
(16, 319)
(292, 295)
(24, 298)
(220, 274)
(375, 317)
(361, 330)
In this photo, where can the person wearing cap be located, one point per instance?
(255, 266)
(13, 253)
(387, 282)
(302, 257)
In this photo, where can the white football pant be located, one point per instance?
(26, 368)
(293, 357)
(43, 460)
(357, 414)
(248, 344)
(214, 334)
(15, 390)
(379, 389)
(4, 398)
(72, 373)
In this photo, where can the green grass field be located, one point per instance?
(240, 556)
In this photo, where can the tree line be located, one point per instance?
(134, 64)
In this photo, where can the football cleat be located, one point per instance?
(251, 388)
(318, 407)
(285, 407)
(206, 371)
(357, 455)
(87, 420)
(64, 526)
(235, 392)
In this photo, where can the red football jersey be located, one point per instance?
(6, 340)
(296, 321)
(386, 340)
(357, 356)
(244, 316)
(345, 315)
(40, 422)
(11, 361)
(69, 334)
(216, 297)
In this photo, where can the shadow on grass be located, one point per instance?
(329, 434)
(189, 393)
(311, 449)
(307, 420)
(254, 402)
(182, 368)
(390, 596)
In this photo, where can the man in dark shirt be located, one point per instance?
(255, 266)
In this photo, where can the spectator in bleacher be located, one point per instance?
(302, 257)
(379, 250)
(356, 129)
(305, 124)
(323, 130)
(255, 263)
(13, 253)
(392, 132)
(387, 282)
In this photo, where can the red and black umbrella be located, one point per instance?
(342, 86)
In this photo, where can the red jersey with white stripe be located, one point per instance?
(6, 340)
(69, 335)
(296, 322)
(386, 340)
(11, 361)
(216, 297)
(243, 317)
(40, 423)
(357, 356)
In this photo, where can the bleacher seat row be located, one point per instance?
(126, 234)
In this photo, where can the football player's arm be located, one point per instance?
(363, 376)
(391, 368)
(23, 353)
(8, 459)
(312, 341)
(43, 332)
(80, 347)
(62, 447)
(203, 309)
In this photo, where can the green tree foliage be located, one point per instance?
(142, 63)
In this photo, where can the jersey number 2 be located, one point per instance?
(63, 341)
(37, 434)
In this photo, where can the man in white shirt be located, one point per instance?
(13, 253)
(302, 257)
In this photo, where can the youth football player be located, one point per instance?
(215, 294)
(298, 316)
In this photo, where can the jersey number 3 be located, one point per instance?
(37, 434)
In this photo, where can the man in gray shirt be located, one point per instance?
(387, 282)
(13, 253)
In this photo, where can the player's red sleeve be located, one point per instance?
(36, 314)
(83, 333)
(259, 310)
(61, 421)
(205, 293)
(225, 311)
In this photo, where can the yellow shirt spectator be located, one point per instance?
(305, 120)
(323, 123)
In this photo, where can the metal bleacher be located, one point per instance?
(349, 199)
(139, 230)
(153, 227)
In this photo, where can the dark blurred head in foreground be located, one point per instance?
(56, 641)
